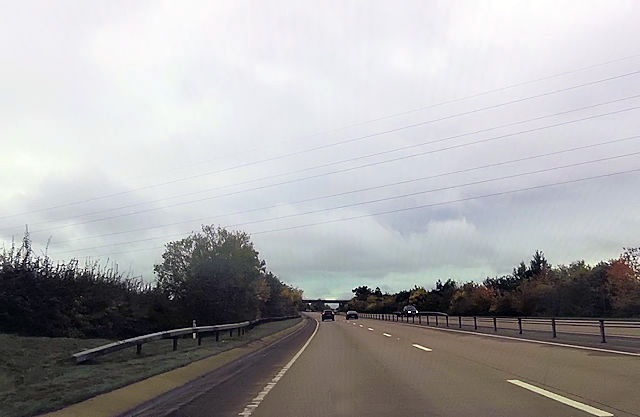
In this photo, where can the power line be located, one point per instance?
(338, 143)
(423, 206)
(405, 157)
(323, 197)
(438, 104)
(451, 201)
(340, 162)
(361, 203)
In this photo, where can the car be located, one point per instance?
(351, 314)
(328, 315)
(408, 311)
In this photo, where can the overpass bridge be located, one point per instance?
(340, 303)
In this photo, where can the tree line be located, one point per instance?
(212, 276)
(608, 289)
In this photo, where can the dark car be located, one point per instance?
(409, 311)
(328, 315)
(352, 314)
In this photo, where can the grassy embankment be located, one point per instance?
(37, 374)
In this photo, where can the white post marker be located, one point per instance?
(564, 400)
(426, 349)
(193, 324)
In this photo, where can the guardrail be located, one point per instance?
(174, 334)
(599, 327)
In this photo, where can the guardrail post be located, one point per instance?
(436, 320)
(553, 326)
(604, 339)
(231, 333)
(217, 336)
(460, 322)
(520, 324)
(139, 348)
(199, 339)
(239, 330)
(419, 319)
(175, 344)
(413, 319)
(475, 323)
(447, 318)
(428, 324)
(495, 324)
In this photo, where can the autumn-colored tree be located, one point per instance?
(624, 287)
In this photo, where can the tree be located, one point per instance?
(214, 275)
(624, 287)
(362, 293)
(418, 298)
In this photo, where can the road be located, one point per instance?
(376, 368)
(582, 332)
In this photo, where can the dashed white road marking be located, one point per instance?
(386, 334)
(426, 349)
(361, 325)
(519, 339)
(370, 329)
(564, 400)
(251, 407)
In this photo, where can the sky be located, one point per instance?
(387, 144)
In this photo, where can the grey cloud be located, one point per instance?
(102, 100)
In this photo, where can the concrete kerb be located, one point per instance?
(125, 398)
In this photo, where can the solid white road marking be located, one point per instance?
(251, 407)
(386, 334)
(541, 342)
(370, 329)
(426, 349)
(564, 400)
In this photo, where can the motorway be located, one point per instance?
(377, 368)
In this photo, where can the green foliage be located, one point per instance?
(40, 298)
(216, 276)
(213, 276)
(608, 289)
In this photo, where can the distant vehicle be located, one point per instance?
(408, 311)
(351, 314)
(328, 315)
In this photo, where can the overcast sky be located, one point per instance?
(352, 140)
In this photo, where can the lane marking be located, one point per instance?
(370, 329)
(361, 325)
(386, 334)
(541, 342)
(564, 400)
(426, 349)
(251, 407)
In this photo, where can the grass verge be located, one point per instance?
(37, 374)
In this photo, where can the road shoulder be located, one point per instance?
(123, 399)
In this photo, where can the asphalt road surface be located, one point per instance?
(376, 368)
